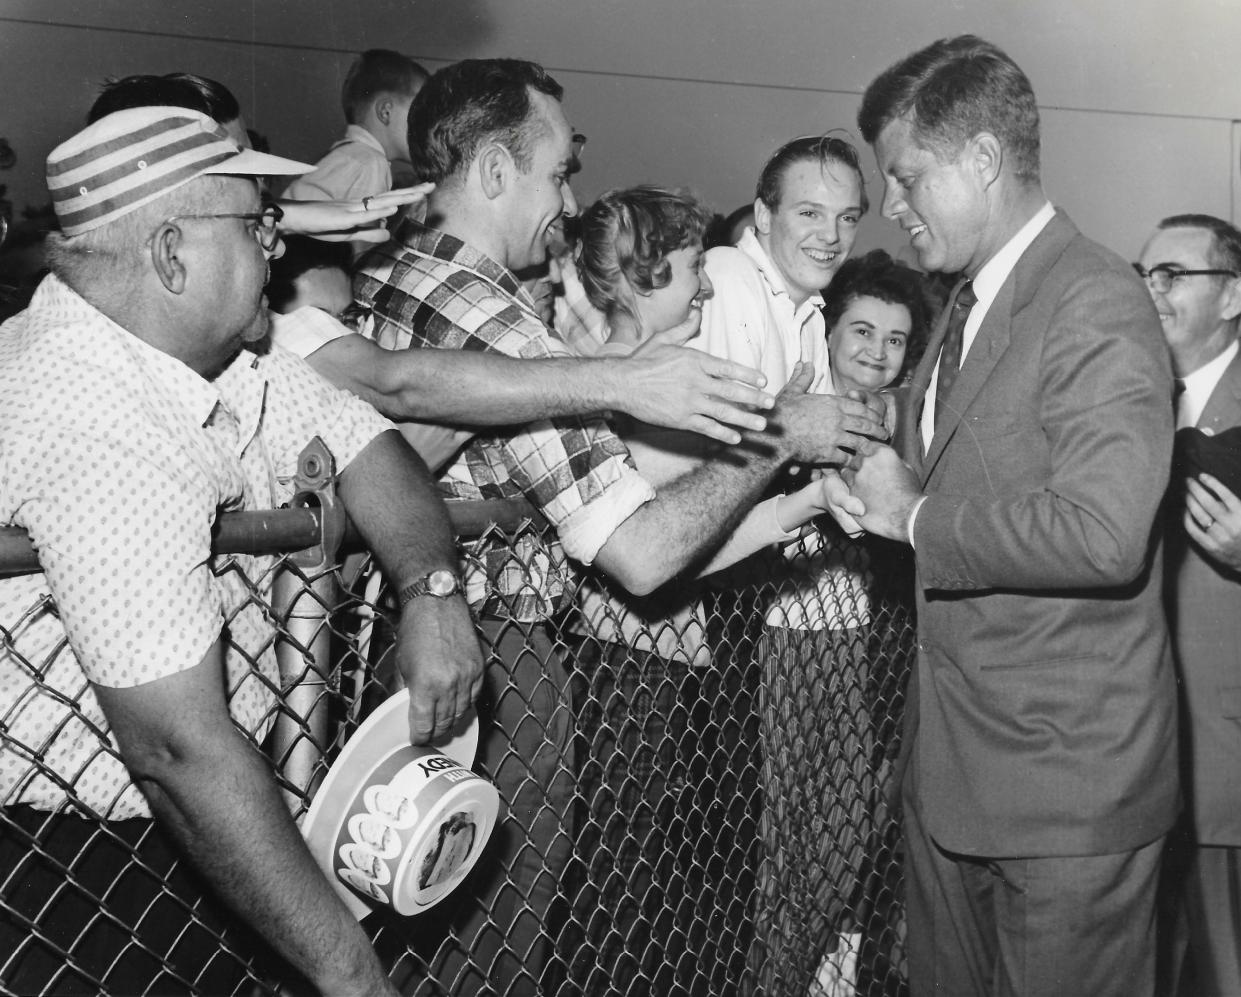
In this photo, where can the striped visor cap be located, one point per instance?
(130, 158)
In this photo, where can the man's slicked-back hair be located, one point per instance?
(952, 90)
(1226, 244)
(822, 149)
(173, 90)
(472, 102)
(378, 71)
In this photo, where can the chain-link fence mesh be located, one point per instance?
(696, 797)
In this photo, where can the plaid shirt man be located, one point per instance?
(428, 289)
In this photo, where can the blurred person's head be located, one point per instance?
(311, 273)
(1192, 267)
(198, 93)
(808, 203)
(376, 95)
(955, 128)
(493, 137)
(876, 313)
(640, 259)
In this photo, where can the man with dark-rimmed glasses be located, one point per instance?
(137, 670)
(1192, 267)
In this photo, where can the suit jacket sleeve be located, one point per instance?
(1055, 475)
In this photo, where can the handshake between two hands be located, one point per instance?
(873, 490)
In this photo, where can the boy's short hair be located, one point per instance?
(375, 72)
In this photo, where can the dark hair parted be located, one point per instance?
(821, 149)
(952, 90)
(374, 72)
(877, 275)
(626, 237)
(472, 102)
(173, 90)
(1226, 244)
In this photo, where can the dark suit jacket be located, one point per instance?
(1204, 602)
(1046, 720)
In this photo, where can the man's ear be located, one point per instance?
(166, 244)
(494, 166)
(987, 155)
(383, 108)
(1231, 309)
(762, 216)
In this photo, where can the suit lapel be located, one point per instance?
(1223, 408)
(996, 332)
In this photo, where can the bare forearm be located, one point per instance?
(689, 519)
(466, 388)
(393, 501)
(220, 804)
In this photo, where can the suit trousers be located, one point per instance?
(1213, 913)
(1080, 926)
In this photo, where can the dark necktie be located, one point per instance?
(950, 353)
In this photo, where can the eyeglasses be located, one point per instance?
(266, 224)
(1161, 278)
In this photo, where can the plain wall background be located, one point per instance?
(1139, 99)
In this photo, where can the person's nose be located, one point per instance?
(705, 288)
(893, 201)
(570, 202)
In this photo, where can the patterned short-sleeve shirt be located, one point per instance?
(427, 289)
(117, 458)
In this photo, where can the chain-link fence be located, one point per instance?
(696, 787)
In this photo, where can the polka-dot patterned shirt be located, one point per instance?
(117, 458)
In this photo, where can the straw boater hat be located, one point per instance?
(129, 158)
(397, 826)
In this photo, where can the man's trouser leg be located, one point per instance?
(1033, 927)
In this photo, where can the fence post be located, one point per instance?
(303, 599)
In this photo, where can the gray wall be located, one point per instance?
(1139, 98)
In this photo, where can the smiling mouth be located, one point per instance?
(915, 231)
(822, 257)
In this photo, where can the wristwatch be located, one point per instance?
(440, 583)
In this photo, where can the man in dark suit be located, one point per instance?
(1192, 266)
(1040, 773)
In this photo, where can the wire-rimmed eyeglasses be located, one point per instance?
(1161, 278)
(266, 223)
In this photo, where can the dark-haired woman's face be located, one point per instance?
(669, 306)
(866, 346)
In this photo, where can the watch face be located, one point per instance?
(441, 582)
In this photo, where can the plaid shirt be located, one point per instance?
(428, 289)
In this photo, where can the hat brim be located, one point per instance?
(249, 163)
(382, 733)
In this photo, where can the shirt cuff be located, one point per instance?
(913, 515)
(584, 532)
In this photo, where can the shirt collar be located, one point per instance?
(1201, 383)
(425, 241)
(356, 133)
(113, 348)
(995, 271)
(749, 244)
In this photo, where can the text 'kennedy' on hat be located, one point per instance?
(130, 158)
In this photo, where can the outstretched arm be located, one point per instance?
(663, 385)
(691, 515)
(357, 221)
(199, 773)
